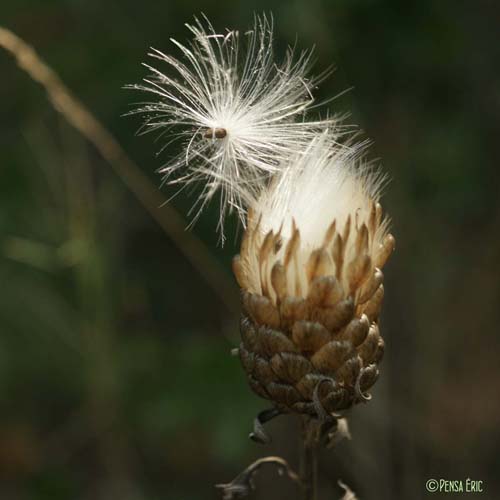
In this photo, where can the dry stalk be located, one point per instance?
(309, 460)
(85, 122)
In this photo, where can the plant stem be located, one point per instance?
(309, 461)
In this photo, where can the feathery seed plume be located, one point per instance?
(239, 114)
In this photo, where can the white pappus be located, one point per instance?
(239, 115)
(324, 205)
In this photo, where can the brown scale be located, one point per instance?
(325, 346)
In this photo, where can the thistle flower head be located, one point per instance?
(310, 271)
(238, 113)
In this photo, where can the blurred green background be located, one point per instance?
(116, 380)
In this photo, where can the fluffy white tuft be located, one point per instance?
(239, 114)
(327, 192)
(323, 184)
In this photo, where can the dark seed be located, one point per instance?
(215, 133)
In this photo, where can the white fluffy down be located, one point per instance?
(232, 81)
(323, 184)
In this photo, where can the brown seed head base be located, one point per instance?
(319, 354)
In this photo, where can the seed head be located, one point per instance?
(310, 272)
(311, 259)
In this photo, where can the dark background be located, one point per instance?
(116, 380)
